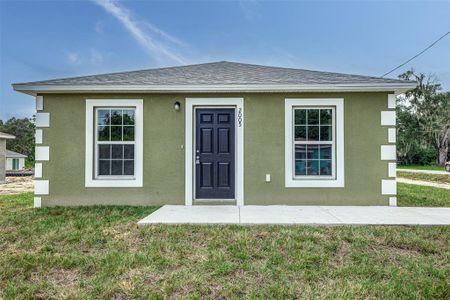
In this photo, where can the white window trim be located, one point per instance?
(137, 180)
(191, 104)
(290, 181)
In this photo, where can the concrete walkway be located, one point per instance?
(317, 215)
(443, 172)
(424, 183)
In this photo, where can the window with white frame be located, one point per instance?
(114, 149)
(114, 142)
(314, 143)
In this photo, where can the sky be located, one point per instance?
(53, 39)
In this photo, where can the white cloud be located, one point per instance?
(96, 57)
(152, 46)
(99, 27)
(73, 58)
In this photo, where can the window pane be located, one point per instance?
(128, 151)
(312, 167)
(128, 133)
(325, 167)
(313, 133)
(300, 167)
(325, 116)
(103, 117)
(116, 117)
(116, 133)
(325, 151)
(103, 133)
(313, 116)
(104, 151)
(128, 167)
(300, 133)
(312, 152)
(103, 167)
(300, 151)
(128, 117)
(117, 151)
(326, 133)
(117, 167)
(300, 116)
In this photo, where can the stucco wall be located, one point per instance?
(263, 152)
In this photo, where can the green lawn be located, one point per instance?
(100, 253)
(417, 195)
(416, 167)
(439, 178)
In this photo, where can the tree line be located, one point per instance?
(423, 122)
(23, 129)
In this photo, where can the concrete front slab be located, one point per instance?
(283, 214)
(180, 214)
(314, 215)
(381, 215)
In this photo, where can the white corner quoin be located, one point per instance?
(191, 104)
(42, 119)
(388, 118)
(38, 136)
(90, 180)
(391, 101)
(388, 152)
(338, 160)
(42, 153)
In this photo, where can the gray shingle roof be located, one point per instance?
(218, 73)
(6, 136)
(12, 154)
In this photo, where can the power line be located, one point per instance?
(421, 52)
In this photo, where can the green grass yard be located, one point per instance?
(100, 253)
(417, 167)
(417, 195)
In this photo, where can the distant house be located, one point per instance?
(176, 136)
(14, 161)
(3, 138)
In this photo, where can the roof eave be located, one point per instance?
(35, 89)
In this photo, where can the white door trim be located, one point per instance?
(191, 103)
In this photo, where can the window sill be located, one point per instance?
(318, 183)
(113, 183)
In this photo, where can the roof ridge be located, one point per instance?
(267, 67)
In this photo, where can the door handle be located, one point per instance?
(197, 160)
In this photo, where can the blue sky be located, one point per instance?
(51, 39)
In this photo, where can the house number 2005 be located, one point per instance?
(239, 117)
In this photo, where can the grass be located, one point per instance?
(417, 195)
(439, 178)
(100, 253)
(417, 167)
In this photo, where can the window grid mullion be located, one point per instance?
(320, 143)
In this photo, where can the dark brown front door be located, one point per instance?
(214, 153)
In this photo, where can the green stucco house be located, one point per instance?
(216, 133)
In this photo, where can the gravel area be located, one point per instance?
(17, 185)
(424, 183)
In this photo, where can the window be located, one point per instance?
(314, 143)
(114, 143)
(15, 164)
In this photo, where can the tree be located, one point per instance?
(23, 129)
(430, 112)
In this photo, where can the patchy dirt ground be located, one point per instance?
(17, 185)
